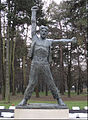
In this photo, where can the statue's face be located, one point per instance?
(43, 33)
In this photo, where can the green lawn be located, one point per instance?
(72, 93)
(81, 104)
(69, 103)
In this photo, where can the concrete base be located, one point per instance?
(41, 113)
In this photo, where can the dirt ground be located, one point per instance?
(50, 98)
(65, 98)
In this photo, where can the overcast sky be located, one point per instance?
(48, 1)
(57, 1)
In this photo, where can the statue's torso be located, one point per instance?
(41, 51)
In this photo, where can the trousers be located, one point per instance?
(34, 72)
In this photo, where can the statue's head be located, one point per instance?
(43, 31)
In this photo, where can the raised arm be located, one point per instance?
(73, 40)
(33, 20)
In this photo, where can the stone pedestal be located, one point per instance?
(42, 111)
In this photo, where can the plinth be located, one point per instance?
(42, 111)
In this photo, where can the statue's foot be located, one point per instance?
(60, 102)
(23, 102)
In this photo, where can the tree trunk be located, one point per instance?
(10, 63)
(7, 92)
(37, 91)
(2, 59)
(24, 60)
(69, 73)
(42, 86)
(78, 90)
(24, 73)
(62, 84)
(3, 64)
(69, 80)
(46, 90)
(0, 49)
(13, 69)
(22, 83)
(75, 88)
(87, 64)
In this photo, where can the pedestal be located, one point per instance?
(42, 111)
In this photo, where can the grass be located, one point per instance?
(12, 103)
(80, 104)
(70, 104)
(42, 93)
(72, 93)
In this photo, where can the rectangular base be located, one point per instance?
(42, 113)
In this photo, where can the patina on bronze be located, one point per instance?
(40, 55)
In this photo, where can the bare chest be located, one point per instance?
(42, 43)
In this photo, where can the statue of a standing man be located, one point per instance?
(40, 50)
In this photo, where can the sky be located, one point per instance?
(48, 1)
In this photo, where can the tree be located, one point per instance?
(2, 50)
(72, 16)
(3, 61)
(69, 76)
(0, 47)
(7, 90)
(18, 19)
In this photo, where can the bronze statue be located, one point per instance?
(40, 54)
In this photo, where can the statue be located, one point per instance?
(40, 50)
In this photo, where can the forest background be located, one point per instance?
(69, 61)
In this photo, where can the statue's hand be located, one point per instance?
(34, 8)
(74, 40)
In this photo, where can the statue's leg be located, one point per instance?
(50, 82)
(32, 83)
